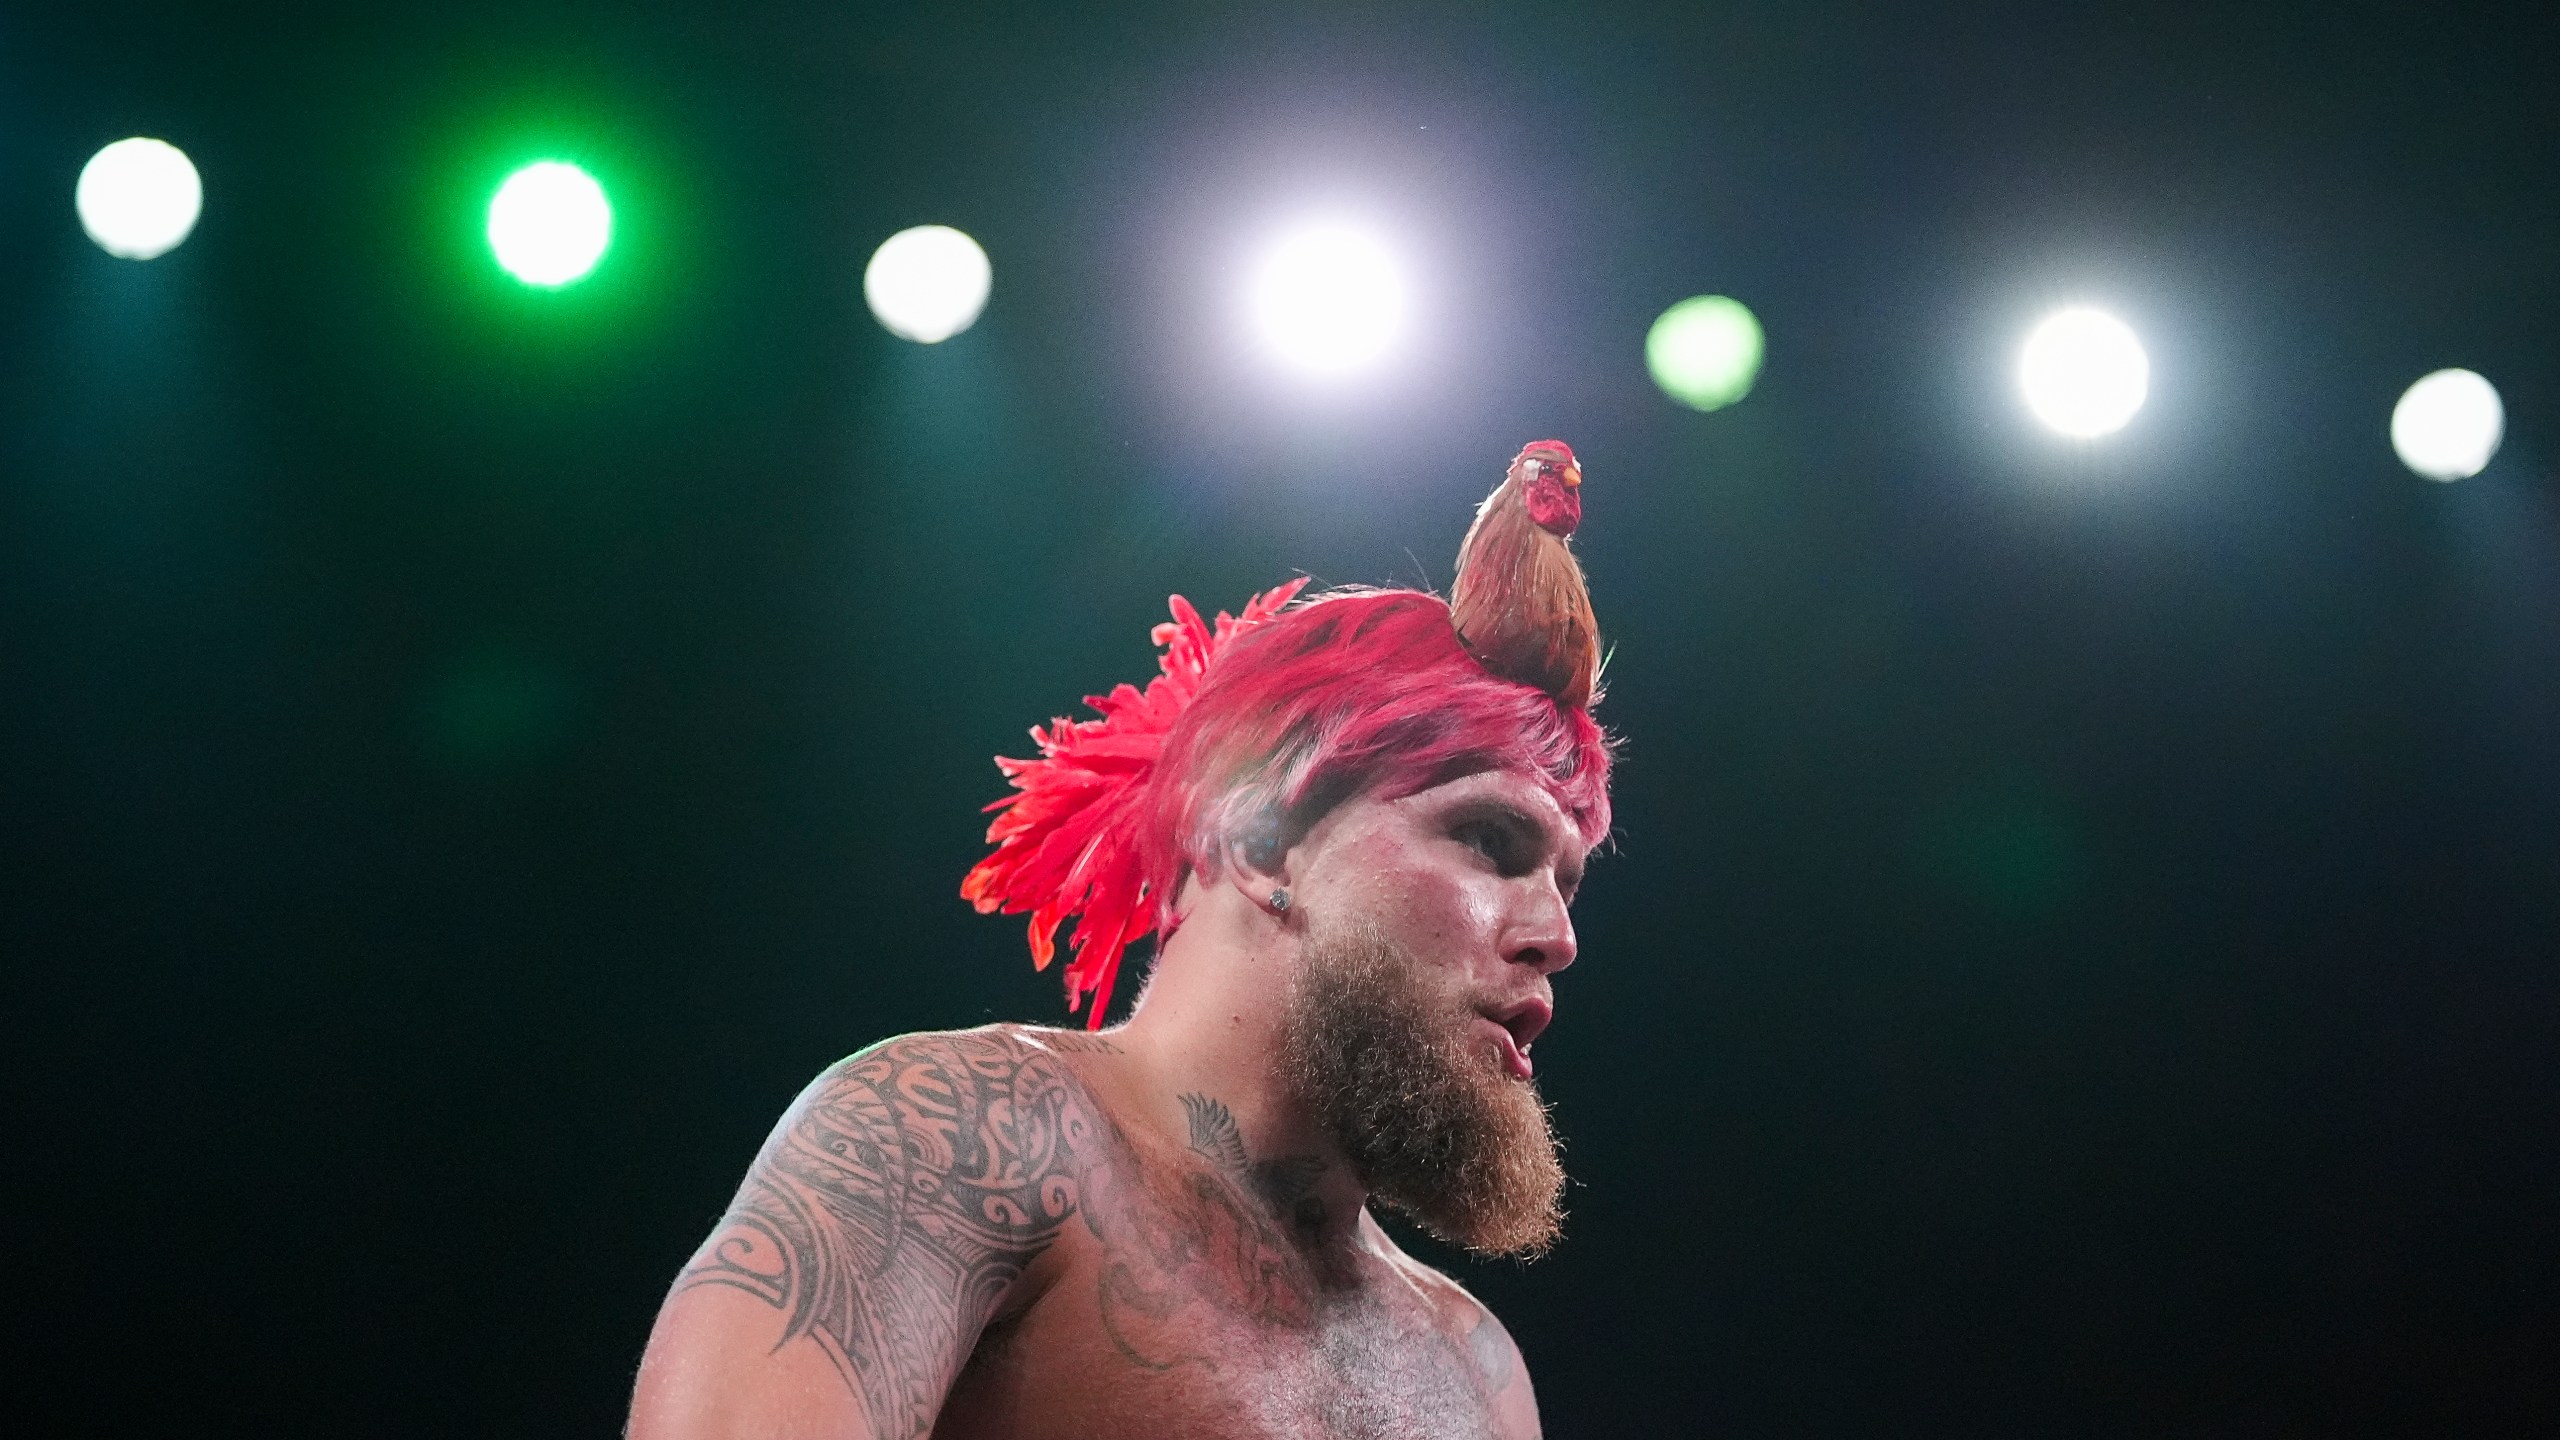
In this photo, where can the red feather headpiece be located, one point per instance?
(1388, 692)
(1068, 839)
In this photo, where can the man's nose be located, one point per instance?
(1542, 936)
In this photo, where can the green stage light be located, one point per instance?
(1705, 351)
(550, 224)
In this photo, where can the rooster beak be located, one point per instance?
(1572, 476)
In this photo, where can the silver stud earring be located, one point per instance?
(1279, 902)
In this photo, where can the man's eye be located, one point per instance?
(1491, 841)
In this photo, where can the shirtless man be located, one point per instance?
(1371, 837)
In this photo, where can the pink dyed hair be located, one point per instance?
(1365, 692)
(1258, 725)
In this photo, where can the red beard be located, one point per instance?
(1420, 1104)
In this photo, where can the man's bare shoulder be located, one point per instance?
(1002, 1037)
(888, 1124)
(1469, 1324)
(1028, 1081)
(1050, 1039)
(981, 1054)
(896, 1209)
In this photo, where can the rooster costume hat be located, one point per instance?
(1264, 720)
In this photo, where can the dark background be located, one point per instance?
(2078, 954)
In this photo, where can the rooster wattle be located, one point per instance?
(1519, 601)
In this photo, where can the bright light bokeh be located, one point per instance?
(1329, 299)
(139, 198)
(2448, 425)
(2084, 373)
(1705, 351)
(550, 224)
(927, 283)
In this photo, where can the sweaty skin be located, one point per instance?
(1044, 1234)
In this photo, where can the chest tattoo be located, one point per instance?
(1189, 1256)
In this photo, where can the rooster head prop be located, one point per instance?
(1519, 601)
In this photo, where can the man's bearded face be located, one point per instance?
(1395, 1065)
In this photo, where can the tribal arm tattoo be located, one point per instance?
(1077, 1042)
(897, 1202)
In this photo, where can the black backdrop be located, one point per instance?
(2077, 958)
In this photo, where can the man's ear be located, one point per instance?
(1259, 856)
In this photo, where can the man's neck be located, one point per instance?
(1207, 1044)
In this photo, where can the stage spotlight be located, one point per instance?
(1329, 299)
(1705, 351)
(927, 284)
(550, 223)
(2084, 373)
(138, 198)
(2448, 425)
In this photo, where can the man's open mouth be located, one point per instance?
(1520, 1023)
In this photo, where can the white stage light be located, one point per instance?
(927, 284)
(2084, 373)
(550, 224)
(2448, 425)
(1330, 299)
(138, 198)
